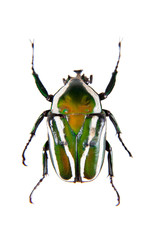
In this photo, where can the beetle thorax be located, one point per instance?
(76, 99)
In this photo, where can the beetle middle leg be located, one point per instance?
(39, 120)
(118, 131)
(45, 168)
(110, 169)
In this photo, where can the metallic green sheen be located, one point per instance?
(65, 172)
(77, 143)
(77, 99)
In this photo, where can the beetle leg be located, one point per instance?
(45, 168)
(38, 82)
(111, 84)
(39, 120)
(118, 131)
(110, 169)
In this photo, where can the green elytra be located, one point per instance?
(66, 105)
(77, 143)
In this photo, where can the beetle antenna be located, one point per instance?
(118, 196)
(30, 196)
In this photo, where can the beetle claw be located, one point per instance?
(24, 162)
(23, 158)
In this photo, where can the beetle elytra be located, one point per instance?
(76, 125)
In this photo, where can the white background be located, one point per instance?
(70, 35)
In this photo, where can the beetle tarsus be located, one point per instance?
(30, 196)
(120, 139)
(23, 154)
(45, 168)
(32, 44)
(119, 45)
(118, 196)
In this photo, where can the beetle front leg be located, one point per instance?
(118, 131)
(45, 168)
(38, 82)
(39, 120)
(110, 169)
(112, 82)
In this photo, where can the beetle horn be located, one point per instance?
(78, 72)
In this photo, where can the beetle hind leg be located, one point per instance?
(110, 169)
(45, 168)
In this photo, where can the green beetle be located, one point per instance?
(76, 126)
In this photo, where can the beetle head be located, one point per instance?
(83, 77)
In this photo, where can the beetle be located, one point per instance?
(76, 126)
